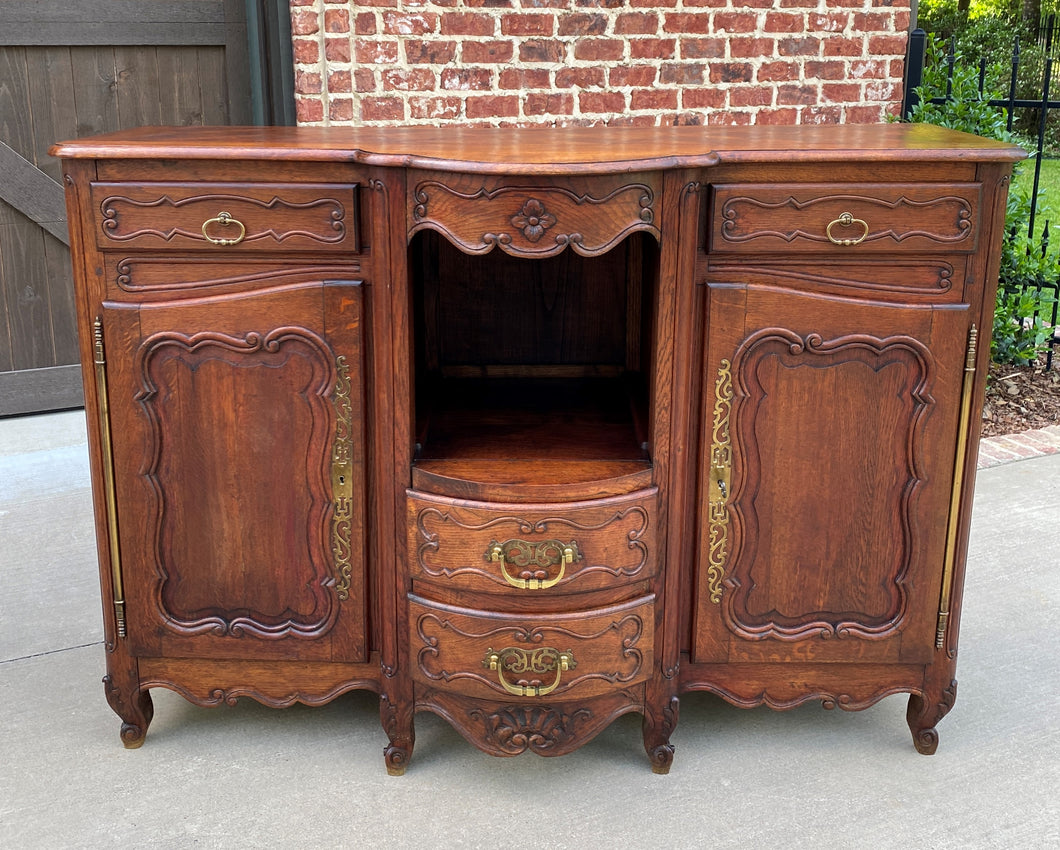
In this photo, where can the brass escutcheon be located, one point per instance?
(224, 219)
(524, 663)
(342, 481)
(846, 220)
(719, 482)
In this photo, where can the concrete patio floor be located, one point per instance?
(249, 776)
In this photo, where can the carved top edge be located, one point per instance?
(546, 150)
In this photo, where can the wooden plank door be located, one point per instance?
(71, 68)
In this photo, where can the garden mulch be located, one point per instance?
(1021, 416)
(1021, 398)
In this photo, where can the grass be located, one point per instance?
(1048, 188)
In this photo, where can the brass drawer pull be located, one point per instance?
(846, 220)
(224, 219)
(523, 554)
(525, 663)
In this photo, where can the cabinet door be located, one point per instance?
(238, 457)
(828, 452)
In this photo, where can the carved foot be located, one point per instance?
(136, 713)
(657, 728)
(924, 713)
(397, 722)
(661, 758)
(397, 758)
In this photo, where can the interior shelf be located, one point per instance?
(536, 431)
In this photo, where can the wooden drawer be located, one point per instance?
(532, 550)
(144, 276)
(824, 217)
(226, 217)
(535, 218)
(484, 654)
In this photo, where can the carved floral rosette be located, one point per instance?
(534, 220)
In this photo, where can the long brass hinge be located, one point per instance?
(967, 386)
(108, 477)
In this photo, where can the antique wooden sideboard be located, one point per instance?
(534, 427)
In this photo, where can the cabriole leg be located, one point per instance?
(135, 709)
(924, 713)
(399, 727)
(657, 728)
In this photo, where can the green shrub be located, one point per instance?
(1019, 333)
(988, 28)
(965, 108)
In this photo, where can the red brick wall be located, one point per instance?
(598, 61)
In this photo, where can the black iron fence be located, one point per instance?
(1026, 114)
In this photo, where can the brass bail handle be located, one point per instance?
(525, 663)
(846, 220)
(224, 219)
(545, 555)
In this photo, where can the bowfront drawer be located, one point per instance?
(226, 217)
(535, 218)
(481, 654)
(532, 550)
(874, 218)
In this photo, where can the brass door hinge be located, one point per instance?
(110, 498)
(949, 562)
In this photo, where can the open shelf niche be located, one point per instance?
(532, 371)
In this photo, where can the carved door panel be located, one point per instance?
(829, 437)
(239, 473)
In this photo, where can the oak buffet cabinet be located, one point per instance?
(534, 428)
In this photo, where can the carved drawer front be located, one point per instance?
(533, 550)
(813, 217)
(226, 217)
(535, 218)
(153, 276)
(484, 654)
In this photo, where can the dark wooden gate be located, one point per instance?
(70, 68)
